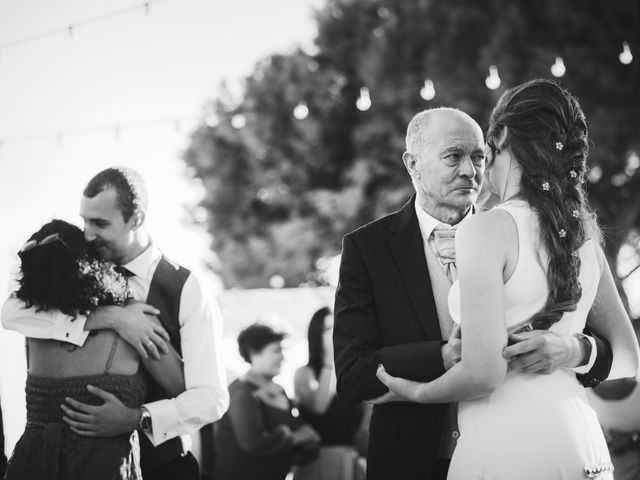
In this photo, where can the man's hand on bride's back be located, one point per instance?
(540, 351)
(137, 324)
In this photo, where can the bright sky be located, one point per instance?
(128, 70)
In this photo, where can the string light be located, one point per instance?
(363, 103)
(558, 69)
(301, 111)
(428, 91)
(114, 130)
(493, 80)
(625, 56)
(211, 119)
(70, 28)
(238, 121)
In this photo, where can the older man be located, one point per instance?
(113, 207)
(391, 302)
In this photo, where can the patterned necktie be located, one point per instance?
(445, 237)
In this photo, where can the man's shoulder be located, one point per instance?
(168, 272)
(172, 265)
(375, 227)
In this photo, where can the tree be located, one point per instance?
(281, 191)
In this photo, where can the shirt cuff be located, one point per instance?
(582, 369)
(70, 330)
(161, 412)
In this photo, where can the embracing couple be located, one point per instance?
(97, 306)
(466, 329)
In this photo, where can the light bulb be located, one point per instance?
(147, 9)
(625, 56)
(211, 119)
(276, 281)
(364, 100)
(493, 80)
(428, 92)
(70, 31)
(238, 121)
(558, 69)
(301, 111)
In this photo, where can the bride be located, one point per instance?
(535, 260)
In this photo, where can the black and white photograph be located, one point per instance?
(319, 240)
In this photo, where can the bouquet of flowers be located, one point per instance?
(105, 285)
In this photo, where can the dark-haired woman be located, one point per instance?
(315, 389)
(533, 260)
(58, 272)
(260, 437)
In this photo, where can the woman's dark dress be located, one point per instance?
(49, 450)
(338, 425)
(256, 443)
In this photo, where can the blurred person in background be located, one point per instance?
(261, 436)
(337, 422)
(58, 272)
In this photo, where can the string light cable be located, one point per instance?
(71, 27)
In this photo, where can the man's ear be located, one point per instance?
(138, 219)
(410, 164)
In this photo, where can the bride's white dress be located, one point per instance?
(537, 427)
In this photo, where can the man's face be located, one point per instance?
(104, 227)
(450, 166)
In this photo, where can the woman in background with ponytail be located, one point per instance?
(534, 261)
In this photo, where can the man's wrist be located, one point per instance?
(583, 350)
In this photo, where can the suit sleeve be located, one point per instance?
(357, 338)
(602, 365)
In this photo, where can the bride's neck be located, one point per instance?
(513, 187)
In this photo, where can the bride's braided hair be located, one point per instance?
(547, 134)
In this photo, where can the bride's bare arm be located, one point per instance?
(609, 318)
(483, 244)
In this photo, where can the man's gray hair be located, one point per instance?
(418, 128)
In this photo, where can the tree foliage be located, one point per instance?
(281, 191)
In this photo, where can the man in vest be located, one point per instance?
(113, 206)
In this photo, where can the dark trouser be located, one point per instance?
(184, 467)
(439, 471)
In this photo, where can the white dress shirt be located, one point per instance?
(206, 397)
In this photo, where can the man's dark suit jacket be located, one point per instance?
(385, 313)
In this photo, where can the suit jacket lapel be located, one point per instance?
(406, 244)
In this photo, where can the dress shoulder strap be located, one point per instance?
(112, 353)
